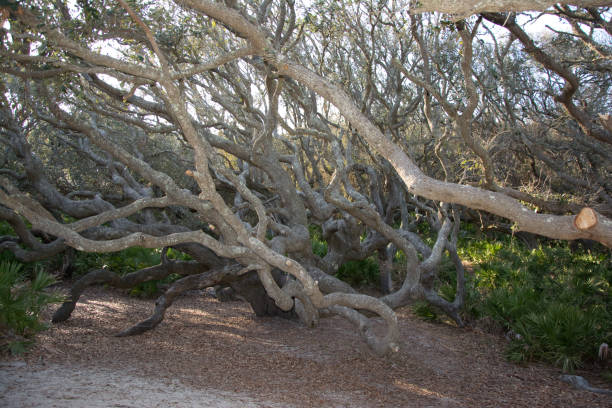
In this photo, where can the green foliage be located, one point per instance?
(152, 288)
(20, 305)
(178, 255)
(122, 262)
(5, 229)
(561, 334)
(90, 12)
(359, 273)
(425, 311)
(319, 246)
(559, 302)
(131, 260)
(28, 269)
(505, 305)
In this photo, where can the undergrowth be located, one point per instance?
(555, 302)
(360, 273)
(127, 261)
(21, 302)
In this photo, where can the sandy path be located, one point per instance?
(71, 386)
(212, 354)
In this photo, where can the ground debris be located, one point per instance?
(223, 352)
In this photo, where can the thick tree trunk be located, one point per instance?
(251, 289)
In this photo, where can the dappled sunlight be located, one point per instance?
(108, 305)
(225, 334)
(205, 344)
(193, 311)
(416, 389)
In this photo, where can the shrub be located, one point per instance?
(359, 273)
(20, 305)
(122, 262)
(507, 305)
(130, 260)
(559, 302)
(425, 311)
(319, 246)
(560, 334)
(152, 288)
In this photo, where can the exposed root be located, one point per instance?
(192, 282)
(380, 346)
(345, 304)
(282, 299)
(304, 308)
(91, 278)
(97, 276)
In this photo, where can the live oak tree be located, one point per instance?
(229, 130)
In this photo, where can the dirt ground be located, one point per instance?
(211, 354)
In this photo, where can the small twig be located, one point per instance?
(147, 31)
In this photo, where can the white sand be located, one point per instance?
(64, 386)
